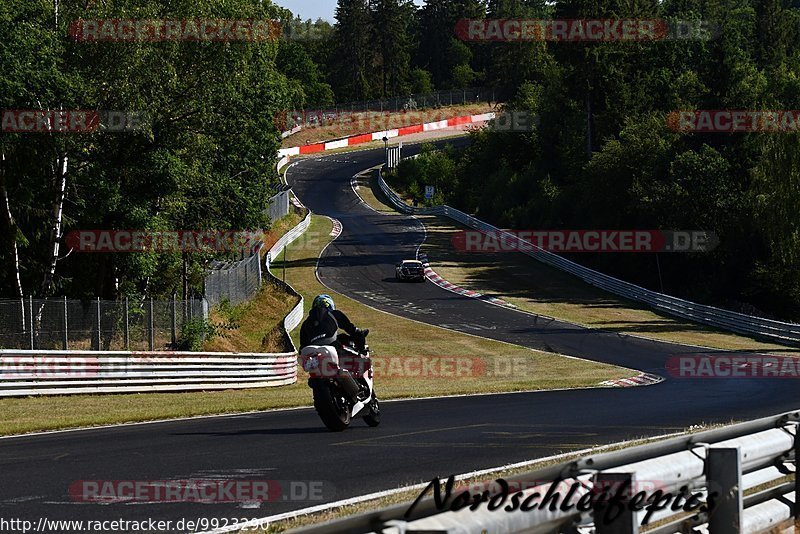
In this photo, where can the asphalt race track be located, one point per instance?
(417, 439)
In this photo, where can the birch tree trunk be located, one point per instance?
(60, 183)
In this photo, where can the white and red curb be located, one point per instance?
(389, 134)
(434, 277)
(336, 229)
(642, 379)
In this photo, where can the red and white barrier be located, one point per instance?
(377, 136)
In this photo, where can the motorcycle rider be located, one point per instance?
(324, 321)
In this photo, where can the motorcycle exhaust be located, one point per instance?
(348, 384)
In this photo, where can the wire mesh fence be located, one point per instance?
(235, 282)
(417, 102)
(148, 324)
(66, 324)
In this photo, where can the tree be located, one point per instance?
(354, 54)
(438, 49)
(391, 21)
(203, 160)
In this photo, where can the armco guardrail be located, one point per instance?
(779, 331)
(26, 372)
(295, 317)
(740, 473)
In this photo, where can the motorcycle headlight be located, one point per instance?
(310, 364)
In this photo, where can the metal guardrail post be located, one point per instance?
(150, 329)
(724, 476)
(620, 519)
(66, 326)
(99, 338)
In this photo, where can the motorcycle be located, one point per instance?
(342, 383)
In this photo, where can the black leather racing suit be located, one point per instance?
(321, 325)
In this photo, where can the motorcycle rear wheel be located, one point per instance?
(331, 408)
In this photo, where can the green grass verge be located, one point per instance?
(254, 326)
(393, 336)
(538, 288)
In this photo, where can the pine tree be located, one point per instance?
(392, 22)
(440, 51)
(353, 58)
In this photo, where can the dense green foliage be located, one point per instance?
(205, 159)
(391, 48)
(603, 156)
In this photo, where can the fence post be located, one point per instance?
(151, 334)
(246, 280)
(99, 338)
(66, 326)
(625, 521)
(258, 267)
(22, 309)
(127, 327)
(725, 478)
(174, 325)
(30, 316)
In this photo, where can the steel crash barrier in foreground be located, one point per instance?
(779, 331)
(735, 479)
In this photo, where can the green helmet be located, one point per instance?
(324, 301)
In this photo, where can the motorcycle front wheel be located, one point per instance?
(374, 417)
(331, 407)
